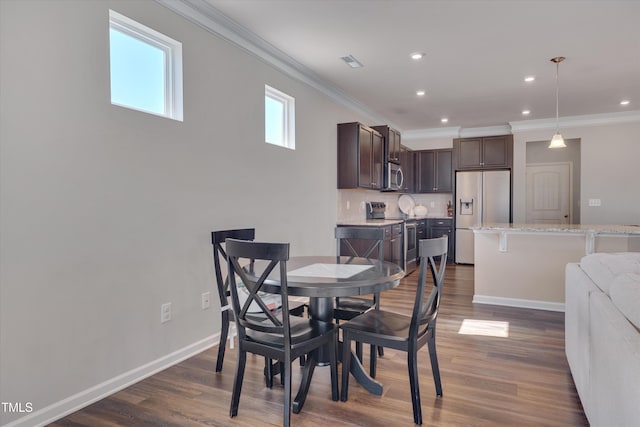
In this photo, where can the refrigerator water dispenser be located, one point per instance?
(466, 207)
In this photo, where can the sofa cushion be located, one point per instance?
(602, 268)
(625, 294)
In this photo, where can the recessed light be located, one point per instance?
(416, 56)
(420, 93)
(444, 120)
(529, 79)
(526, 112)
(625, 102)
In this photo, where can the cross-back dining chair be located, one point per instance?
(405, 333)
(218, 239)
(364, 242)
(279, 336)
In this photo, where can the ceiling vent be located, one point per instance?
(352, 62)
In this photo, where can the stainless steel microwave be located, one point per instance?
(394, 178)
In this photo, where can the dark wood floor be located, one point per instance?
(519, 380)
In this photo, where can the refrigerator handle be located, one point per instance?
(481, 199)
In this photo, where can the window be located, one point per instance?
(146, 68)
(279, 118)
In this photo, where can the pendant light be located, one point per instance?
(557, 141)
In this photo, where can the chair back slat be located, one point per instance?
(345, 237)
(218, 239)
(433, 260)
(255, 313)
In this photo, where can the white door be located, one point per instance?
(549, 193)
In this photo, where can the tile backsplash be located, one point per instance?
(351, 203)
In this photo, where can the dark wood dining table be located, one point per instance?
(322, 279)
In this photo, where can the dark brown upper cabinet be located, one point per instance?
(434, 171)
(391, 143)
(492, 152)
(360, 156)
(407, 163)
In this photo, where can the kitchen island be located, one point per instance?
(523, 265)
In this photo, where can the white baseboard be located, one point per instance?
(78, 401)
(522, 303)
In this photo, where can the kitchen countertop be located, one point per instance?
(387, 221)
(560, 228)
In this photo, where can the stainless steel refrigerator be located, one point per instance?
(481, 197)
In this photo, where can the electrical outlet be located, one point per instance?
(165, 312)
(206, 300)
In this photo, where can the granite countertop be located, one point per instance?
(560, 228)
(369, 222)
(386, 221)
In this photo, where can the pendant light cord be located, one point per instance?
(557, 98)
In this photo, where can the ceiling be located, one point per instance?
(477, 55)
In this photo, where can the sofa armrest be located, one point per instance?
(615, 366)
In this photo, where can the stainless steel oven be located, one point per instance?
(410, 246)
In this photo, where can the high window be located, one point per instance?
(279, 118)
(146, 68)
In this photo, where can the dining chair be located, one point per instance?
(279, 336)
(405, 333)
(364, 242)
(218, 239)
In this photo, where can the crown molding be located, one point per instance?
(203, 14)
(577, 121)
(485, 131)
(449, 132)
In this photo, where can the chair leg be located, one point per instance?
(434, 364)
(359, 351)
(307, 375)
(372, 360)
(333, 360)
(237, 383)
(346, 365)
(412, 362)
(287, 391)
(268, 372)
(281, 364)
(224, 331)
(380, 351)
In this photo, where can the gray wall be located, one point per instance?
(106, 212)
(609, 170)
(539, 152)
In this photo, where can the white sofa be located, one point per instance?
(602, 336)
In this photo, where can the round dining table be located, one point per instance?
(322, 279)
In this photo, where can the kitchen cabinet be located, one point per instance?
(434, 171)
(421, 231)
(493, 152)
(360, 156)
(438, 227)
(391, 143)
(432, 228)
(407, 164)
(393, 244)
